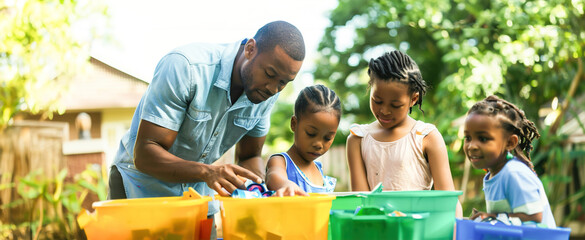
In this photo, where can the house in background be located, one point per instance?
(101, 101)
(109, 96)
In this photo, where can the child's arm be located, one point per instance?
(357, 169)
(482, 215)
(537, 217)
(277, 179)
(436, 153)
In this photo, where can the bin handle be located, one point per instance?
(85, 218)
(191, 194)
(500, 231)
(378, 188)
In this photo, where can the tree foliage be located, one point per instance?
(526, 51)
(42, 45)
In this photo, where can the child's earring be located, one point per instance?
(509, 155)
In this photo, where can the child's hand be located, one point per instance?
(482, 215)
(290, 189)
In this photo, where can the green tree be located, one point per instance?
(527, 51)
(42, 45)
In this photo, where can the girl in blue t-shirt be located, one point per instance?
(314, 124)
(498, 138)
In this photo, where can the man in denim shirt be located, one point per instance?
(204, 99)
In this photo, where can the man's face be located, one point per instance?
(267, 73)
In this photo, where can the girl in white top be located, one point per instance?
(397, 150)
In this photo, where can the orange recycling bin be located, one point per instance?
(147, 218)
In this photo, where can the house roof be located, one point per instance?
(574, 128)
(104, 86)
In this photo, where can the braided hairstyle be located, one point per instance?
(513, 120)
(399, 67)
(317, 98)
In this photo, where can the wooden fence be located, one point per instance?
(335, 165)
(26, 146)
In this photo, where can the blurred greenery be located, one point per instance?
(47, 208)
(43, 44)
(527, 51)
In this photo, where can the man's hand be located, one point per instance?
(224, 178)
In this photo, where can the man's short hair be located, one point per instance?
(283, 34)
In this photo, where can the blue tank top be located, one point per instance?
(297, 176)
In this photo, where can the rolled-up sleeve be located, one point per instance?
(169, 93)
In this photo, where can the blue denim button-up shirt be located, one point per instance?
(190, 94)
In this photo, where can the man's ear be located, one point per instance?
(512, 142)
(250, 49)
(414, 98)
(293, 123)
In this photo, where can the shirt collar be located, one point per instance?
(227, 64)
(225, 75)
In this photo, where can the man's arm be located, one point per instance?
(151, 156)
(249, 155)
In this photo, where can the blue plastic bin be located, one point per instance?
(470, 230)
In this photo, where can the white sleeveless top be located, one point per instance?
(400, 165)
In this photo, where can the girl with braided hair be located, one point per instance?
(498, 137)
(314, 124)
(397, 150)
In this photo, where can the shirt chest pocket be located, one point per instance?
(247, 123)
(241, 126)
(197, 122)
(199, 115)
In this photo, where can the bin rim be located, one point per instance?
(274, 199)
(348, 194)
(421, 193)
(155, 201)
(413, 215)
(558, 229)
